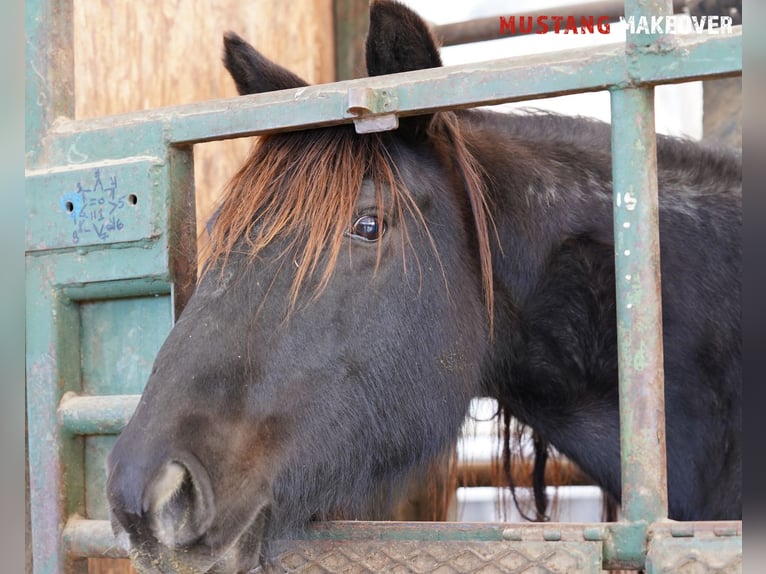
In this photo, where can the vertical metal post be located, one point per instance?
(639, 310)
(639, 313)
(49, 82)
(647, 8)
(49, 86)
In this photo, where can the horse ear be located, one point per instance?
(254, 73)
(400, 41)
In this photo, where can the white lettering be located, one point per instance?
(643, 25)
(684, 25)
(670, 25)
(629, 23)
(698, 24)
(677, 24)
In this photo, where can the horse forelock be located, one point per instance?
(304, 186)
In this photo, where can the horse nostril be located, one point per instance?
(178, 502)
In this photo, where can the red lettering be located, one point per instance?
(508, 26)
(542, 24)
(513, 25)
(529, 21)
(586, 23)
(603, 24)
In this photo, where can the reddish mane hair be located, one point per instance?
(305, 185)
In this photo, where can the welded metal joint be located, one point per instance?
(625, 546)
(642, 48)
(373, 109)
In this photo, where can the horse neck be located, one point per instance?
(548, 179)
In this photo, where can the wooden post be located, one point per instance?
(351, 24)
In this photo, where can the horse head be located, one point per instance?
(333, 341)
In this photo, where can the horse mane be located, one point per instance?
(304, 186)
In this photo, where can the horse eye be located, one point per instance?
(367, 228)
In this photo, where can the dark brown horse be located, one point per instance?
(359, 290)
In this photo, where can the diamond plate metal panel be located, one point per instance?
(441, 557)
(700, 555)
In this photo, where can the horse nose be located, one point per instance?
(178, 502)
(175, 506)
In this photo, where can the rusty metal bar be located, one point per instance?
(648, 8)
(84, 538)
(81, 415)
(49, 82)
(639, 316)
(510, 79)
(483, 29)
(56, 490)
(637, 272)
(88, 538)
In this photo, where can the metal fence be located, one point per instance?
(110, 212)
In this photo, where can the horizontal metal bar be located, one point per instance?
(673, 529)
(84, 538)
(512, 79)
(360, 530)
(94, 538)
(82, 415)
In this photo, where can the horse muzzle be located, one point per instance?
(171, 525)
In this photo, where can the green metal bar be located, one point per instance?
(94, 537)
(56, 487)
(511, 79)
(639, 316)
(90, 538)
(637, 9)
(639, 305)
(56, 481)
(49, 75)
(80, 415)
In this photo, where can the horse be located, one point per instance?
(358, 290)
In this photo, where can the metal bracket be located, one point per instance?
(373, 109)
